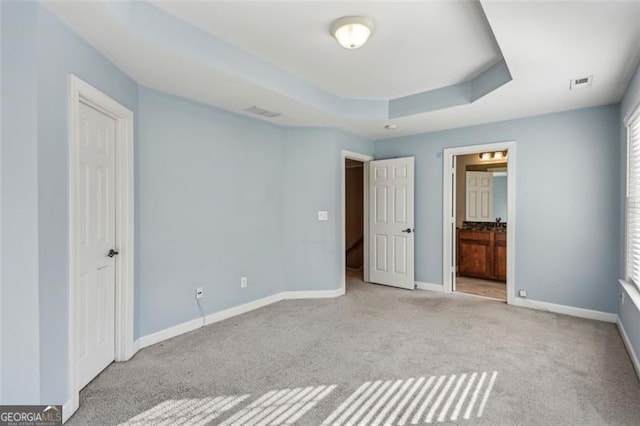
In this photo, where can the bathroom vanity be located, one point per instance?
(482, 253)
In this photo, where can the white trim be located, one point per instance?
(356, 156)
(168, 333)
(625, 205)
(194, 324)
(629, 346)
(448, 212)
(365, 212)
(80, 91)
(318, 294)
(632, 292)
(632, 111)
(429, 287)
(365, 223)
(242, 309)
(67, 410)
(565, 310)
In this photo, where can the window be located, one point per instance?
(633, 197)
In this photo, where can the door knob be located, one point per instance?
(408, 230)
(113, 252)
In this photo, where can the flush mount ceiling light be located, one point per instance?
(352, 31)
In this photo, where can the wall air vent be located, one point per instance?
(263, 112)
(582, 82)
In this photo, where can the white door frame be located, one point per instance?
(82, 92)
(449, 212)
(365, 211)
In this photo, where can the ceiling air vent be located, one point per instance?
(578, 83)
(263, 112)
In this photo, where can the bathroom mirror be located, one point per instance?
(499, 192)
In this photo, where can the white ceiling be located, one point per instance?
(416, 46)
(544, 44)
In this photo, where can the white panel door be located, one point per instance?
(391, 241)
(479, 197)
(95, 230)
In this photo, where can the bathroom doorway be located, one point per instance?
(478, 218)
(481, 224)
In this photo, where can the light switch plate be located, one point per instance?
(323, 215)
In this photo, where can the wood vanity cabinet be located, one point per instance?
(500, 256)
(482, 254)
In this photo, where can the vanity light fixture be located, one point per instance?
(496, 155)
(352, 31)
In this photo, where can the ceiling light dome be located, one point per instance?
(352, 31)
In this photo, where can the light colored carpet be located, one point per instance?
(486, 288)
(377, 355)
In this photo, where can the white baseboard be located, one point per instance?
(185, 327)
(168, 333)
(629, 346)
(429, 287)
(319, 294)
(67, 410)
(565, 310)
(241, 309)
(136, 347)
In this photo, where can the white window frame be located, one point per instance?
(633, 118)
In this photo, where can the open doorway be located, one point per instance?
(478, 250)
(481, 219)
(355, 211)
(354, 218)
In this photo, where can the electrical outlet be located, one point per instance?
(323, 215)
(199, 292)
(622, 298)
(243, 282)
(522, 293)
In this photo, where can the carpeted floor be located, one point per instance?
(378, 355)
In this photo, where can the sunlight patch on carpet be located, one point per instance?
(414, 401)
(282, 407)
(434, 399)
(192, 411)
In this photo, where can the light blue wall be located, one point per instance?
(629, 312)
(220, 196)
(38, 53)
(208, 191)
(1, 180)
(61, 52)
(209, 210)
(312, 182)
(311, 246)
(500, 197)
(20, 344)
(567, 232)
